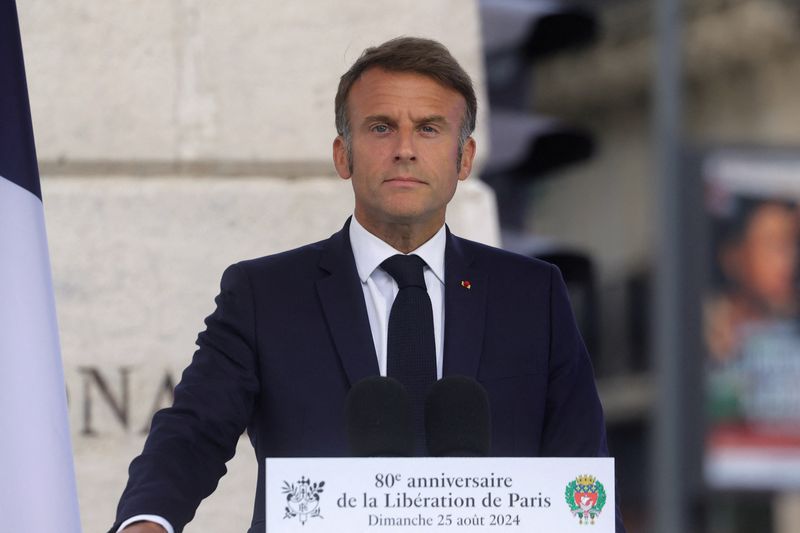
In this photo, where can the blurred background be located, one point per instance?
(176, 137)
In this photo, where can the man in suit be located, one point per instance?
(292, 332)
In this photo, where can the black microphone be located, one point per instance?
(457, 419)
(378, 419)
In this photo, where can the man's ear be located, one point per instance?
(341, 158)
(467, 157)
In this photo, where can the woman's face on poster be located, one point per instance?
(764, 261)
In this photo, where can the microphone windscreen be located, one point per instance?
(378, 419)
(457, 418)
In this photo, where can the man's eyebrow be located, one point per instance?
(431, 119)
(379, 118)
(428, 119)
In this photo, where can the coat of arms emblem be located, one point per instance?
(586, 498)
(302, 499)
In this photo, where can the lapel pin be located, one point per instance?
(466, 284)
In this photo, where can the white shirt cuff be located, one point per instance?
(147, 518)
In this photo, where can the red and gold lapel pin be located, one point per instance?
(467, 284)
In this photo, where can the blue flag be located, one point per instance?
(37, 480)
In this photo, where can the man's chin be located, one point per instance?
(403, 216)
(409, 217)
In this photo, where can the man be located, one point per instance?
(294, 331)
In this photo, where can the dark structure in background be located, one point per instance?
(525, 148)
(664, 75)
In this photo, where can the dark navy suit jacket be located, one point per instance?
(290, 335)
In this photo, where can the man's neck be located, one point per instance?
(404, 238)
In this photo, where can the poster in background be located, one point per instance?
(751, 319)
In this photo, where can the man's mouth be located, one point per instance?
(400, 180)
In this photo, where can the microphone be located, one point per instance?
(457, 419)
(378, 419)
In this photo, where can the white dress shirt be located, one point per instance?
(380, 290)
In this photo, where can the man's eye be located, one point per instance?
(428, 129)
(380, 128)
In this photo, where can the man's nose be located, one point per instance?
(405, 151)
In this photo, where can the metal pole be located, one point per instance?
(667, 503)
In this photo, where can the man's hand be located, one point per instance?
(144, 527)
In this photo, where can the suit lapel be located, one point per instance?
(342, 300)
(465, 291)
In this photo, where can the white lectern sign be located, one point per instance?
(440, 494)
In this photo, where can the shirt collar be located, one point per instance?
(370, 251)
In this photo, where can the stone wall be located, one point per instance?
(174, 138)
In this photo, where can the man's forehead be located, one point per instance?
(376, 86)
(419, 118)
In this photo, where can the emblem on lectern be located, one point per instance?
(302, 499)
(586, 498)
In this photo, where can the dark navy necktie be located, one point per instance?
(411, 348)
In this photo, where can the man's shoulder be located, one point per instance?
(497, 260)
(290, 266)
(308, 254)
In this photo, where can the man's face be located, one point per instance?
(405, 129)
